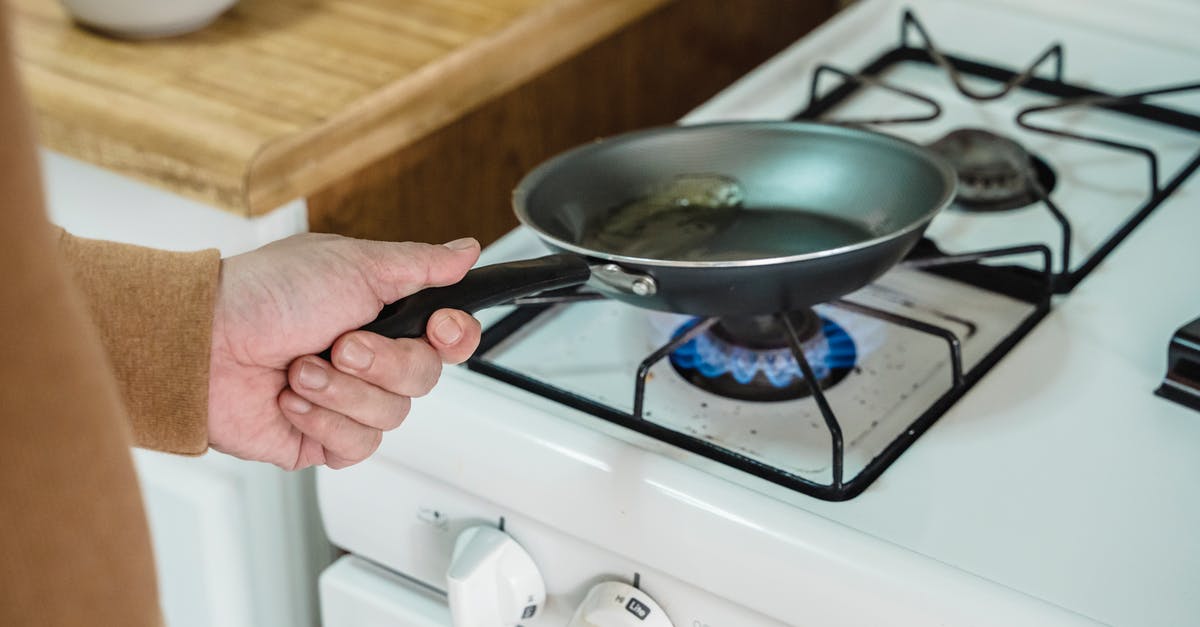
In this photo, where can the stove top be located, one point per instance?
(1040, 205)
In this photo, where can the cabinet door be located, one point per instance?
(236, 543)
(201, 540)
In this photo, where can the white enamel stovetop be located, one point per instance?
(1060, 490)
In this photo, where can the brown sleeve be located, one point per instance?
(154, 311)
(74, 547)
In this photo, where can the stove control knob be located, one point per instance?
(492, 581)
(616, 604)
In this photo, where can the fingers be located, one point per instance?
(408, 367)
(397, 269)
(454, 334)
(344, 441)
(343, 408)
(317, 382)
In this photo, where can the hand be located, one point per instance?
(270, 399)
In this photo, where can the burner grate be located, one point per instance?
(1034, 286)
(963, 267)
(1071, 96)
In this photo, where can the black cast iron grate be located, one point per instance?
(1070, 96)
(1018, 282)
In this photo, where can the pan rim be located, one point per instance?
(534, 178)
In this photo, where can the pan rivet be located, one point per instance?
(618, 278)
(643, 287)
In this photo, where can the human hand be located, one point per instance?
(271, 399)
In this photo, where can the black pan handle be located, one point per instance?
(481, 288)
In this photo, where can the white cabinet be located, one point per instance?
(236, 543)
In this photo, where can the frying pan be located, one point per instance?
(812, 212)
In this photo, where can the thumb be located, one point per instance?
(398, 269)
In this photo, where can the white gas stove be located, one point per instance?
(1003, 458)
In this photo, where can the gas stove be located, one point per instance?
(754, 470)
(917, 342)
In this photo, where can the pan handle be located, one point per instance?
(481, 288)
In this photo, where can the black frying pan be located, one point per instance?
(720, 219)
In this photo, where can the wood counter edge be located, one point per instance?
(297, 165)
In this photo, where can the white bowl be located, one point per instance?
(145, 19)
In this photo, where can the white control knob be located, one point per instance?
(492, 581)
(616, 604)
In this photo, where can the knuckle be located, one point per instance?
(374, 442)
(336, 432)
(311, 454)
(407, 264)
(347, 394)
(418, 368)
(398, 412)
(432, 372)
(337, 463)
(364, 445)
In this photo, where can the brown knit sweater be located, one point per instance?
(75, 548)
(154, 312)
(105, 346)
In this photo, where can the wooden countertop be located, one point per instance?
(279, 98)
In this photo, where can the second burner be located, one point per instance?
(995, 173)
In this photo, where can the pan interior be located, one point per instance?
(733, 192)
(703, 218)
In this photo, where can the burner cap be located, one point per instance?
(749, 357)
(995, 173)
(766, 332)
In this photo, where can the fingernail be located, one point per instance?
(313, 376)
(462, 244)
(355, 355)
(295, 404)
(447, 331)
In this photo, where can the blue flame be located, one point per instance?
(713, 357)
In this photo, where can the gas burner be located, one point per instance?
(995, 173)
(749, 357)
